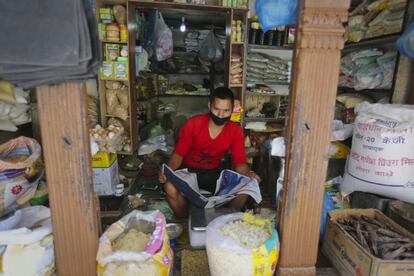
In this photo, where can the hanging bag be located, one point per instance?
(210, 48)
(163, 39)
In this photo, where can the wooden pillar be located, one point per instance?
(66, 149)
(314, 88)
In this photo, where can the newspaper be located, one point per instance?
(228, 186)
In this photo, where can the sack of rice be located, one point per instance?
(137, 244)
(240, 244)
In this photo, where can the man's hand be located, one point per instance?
(161, 177)
(245, 170)
(252, 174)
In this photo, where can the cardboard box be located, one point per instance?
(350, 258)
(105, 173)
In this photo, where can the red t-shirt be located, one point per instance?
(200, 151)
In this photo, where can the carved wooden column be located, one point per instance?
(314, 88)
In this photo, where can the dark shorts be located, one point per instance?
(206, 178)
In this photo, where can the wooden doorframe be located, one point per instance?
(314, 88)
(63, 121)
(65, 140)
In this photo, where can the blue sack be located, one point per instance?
(274, 13)
(405, 44)
(328, 205)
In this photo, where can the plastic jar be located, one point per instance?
(112, 32)
(123, 29)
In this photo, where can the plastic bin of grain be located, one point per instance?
(240, 244)
(137, 244)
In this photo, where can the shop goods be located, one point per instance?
(211, 49)
(163, 39)
(405, 43)
(367, 69)
(402, 213)
(274, 13)
(378, 238)
(108, 139)
(366, 242)
(375, 18)
(137, 244)
(21, 168)
(382, 156)
(27, 239)
(241, 244)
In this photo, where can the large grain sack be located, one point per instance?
(382, 155)
(21, 168)
(26, 243)
(137, 244)
(240, 244)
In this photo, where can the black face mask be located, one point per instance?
(219, 121)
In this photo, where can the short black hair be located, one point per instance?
(223, 93)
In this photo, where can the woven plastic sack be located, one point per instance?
(210, 48)
(157, 257)
(382, 156)
(227, 258)
(28, 243)
(274, 13)
(21, 168)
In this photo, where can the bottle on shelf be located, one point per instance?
(280, 36)
(260, 36)
(254, 27)
(270, 37)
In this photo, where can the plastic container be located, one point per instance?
(112, 32)
(364, 200)
(123, 30)
(402, 213)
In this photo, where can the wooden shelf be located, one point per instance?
(372, 42)
(237, 43)
(112, 116)
(269, 83)
(264, 94)
(114, 42)
(267, 47)
(235, 85)
(260, 119)
(111, 79)
(171, 96)
(179, 73)
(373, 90)
(124, 152)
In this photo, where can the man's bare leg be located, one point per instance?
(238, 202)
(176, 200)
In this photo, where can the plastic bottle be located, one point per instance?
(280, 35)
(260, 36)
(254, 26)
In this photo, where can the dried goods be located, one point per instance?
(378, 237)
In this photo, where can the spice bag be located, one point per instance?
(26, 243)
(21, 168)
(155, 259)
(382, 156)
(226, 257)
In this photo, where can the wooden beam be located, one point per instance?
(314, 88)
(66, 149)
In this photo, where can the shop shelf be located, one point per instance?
(260, 119)
(372, 42)
(267, 47)
(115, 42)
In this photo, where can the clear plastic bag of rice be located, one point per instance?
(241, 244)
